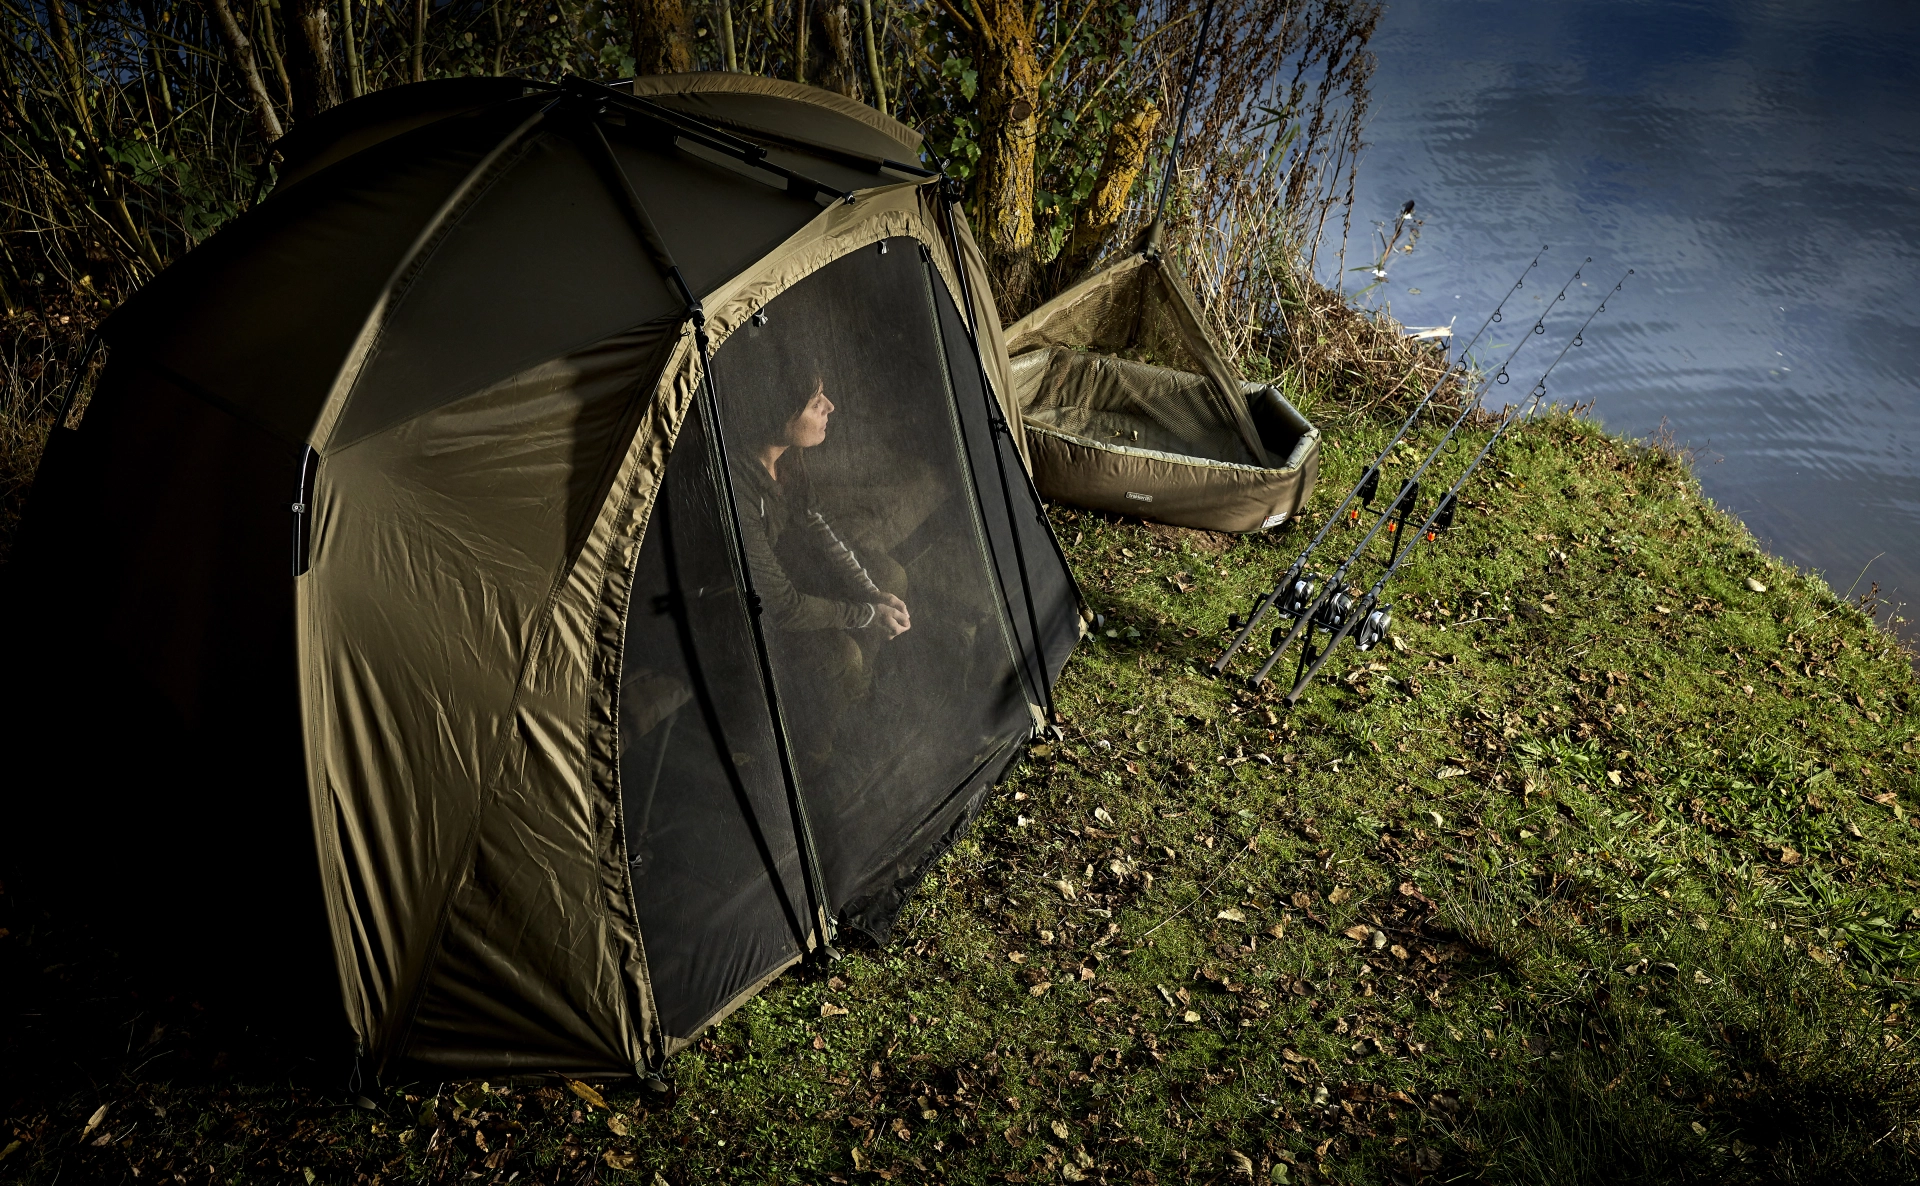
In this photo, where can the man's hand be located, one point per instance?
(890, 616)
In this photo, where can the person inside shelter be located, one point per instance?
(831, 595)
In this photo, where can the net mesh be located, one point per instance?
(895, 625)
(839, 408)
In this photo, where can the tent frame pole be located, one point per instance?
(656, 248)
(997, 422)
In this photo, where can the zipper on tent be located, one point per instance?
(662, 259)
(303, 510)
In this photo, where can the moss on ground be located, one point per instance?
(1603, 873)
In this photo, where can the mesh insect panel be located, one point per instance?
(887, 732)
(705, 808)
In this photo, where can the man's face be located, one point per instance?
(809, 426)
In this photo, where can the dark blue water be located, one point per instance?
(1759, 164)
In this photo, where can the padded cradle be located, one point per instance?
(1129, 408)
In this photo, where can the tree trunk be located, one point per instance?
(270, 41)
(729, 58)
(499, 38)
(316, 81)
(356, 77)
(838, 71)
(241, 51)
(1009, 113)
(874, 70)
(662, 37)
(800, 40)
(420, 12)
(1095, 222)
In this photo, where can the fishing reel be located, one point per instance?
(1373, 628)
(1334, 611)
(1293, 604)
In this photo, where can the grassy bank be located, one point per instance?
(1603, 872)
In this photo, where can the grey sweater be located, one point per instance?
(769, 512)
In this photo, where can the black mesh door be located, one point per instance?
(895, 658)
(716, 877)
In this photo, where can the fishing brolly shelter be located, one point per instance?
(514, 518)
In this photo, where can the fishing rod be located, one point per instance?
(1311, 594)
(1366, 612)
(1364, 489)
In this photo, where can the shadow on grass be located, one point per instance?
(1733, 1060)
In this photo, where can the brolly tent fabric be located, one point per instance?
(1129, 408)
(584, 749)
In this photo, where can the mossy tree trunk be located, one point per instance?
(240, 50)
(316, 79)
(662, 37)
(1106, 207)
(1010, 74)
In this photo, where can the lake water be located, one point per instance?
(1758, 164)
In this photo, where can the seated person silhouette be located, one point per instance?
(827, 612)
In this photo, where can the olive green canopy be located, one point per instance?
(422, 532)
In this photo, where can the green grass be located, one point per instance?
(1603, 873)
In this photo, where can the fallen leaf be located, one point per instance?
(12, 1148)
(619, 1125)
(1661, 609)
(1755, 585)
(1398, 644)
(819, 1043)
(1291, 1055)
(1448, 772)
(1065, 888)
(1303, 900)
(829, 1009)
(1340, 895)
(1018, 957)
(1060, 1129)
(618, 1159)
(1277, 930)
(1189, 1017)
(859, 1159)
(1072, 1173)
(659, 1179)
(1398, 951)
(1242, 1164)
(1040, 989)
(901, 1132)
(1233, 914)
(1789, 856)
(586, 1093)
(1699, 1129)
(1100, 813)
(93, 1122)
(1700, 977)
(1359, 933)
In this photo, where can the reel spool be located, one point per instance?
(1374, 628)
